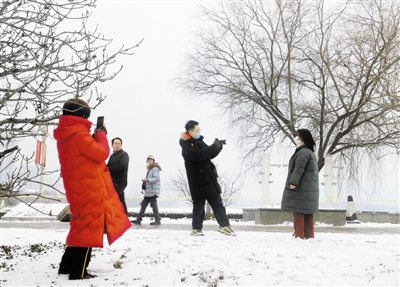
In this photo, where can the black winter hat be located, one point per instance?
(76, 107)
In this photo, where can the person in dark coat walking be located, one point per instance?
(118, 164)
(301, 193)
(202, 178)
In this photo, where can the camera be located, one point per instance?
(221, 141)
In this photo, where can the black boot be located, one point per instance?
(136, 221)
(86, 276)
(89, 276)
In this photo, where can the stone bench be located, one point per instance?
(379, 217)
(269, 216)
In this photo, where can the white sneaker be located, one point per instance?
(227, 230)
(197, 232)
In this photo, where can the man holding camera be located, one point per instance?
(202, 178)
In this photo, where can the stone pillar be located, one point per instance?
(328, 174)
(266, 161)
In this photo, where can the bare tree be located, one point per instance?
(230, 187)
(276, 66)
(48, 54)
(181, 186)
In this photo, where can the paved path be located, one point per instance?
(238, 227)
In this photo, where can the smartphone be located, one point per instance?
(100, 122)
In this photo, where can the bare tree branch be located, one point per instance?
(277, 66)
(48, 54)
(230, 187)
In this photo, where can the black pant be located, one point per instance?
(217, 207)
(153, 203)
(120, 190)
(75, 261)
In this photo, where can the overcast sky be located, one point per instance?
(146, 110)
(144, 107)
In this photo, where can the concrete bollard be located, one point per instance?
(351, 216)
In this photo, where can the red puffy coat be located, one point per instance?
(94, 203)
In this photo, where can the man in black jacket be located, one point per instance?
(118, 166)
(202, 178)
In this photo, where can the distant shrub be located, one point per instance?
(177, 215)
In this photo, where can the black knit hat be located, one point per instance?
(76, 107)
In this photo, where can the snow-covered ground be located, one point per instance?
(162, 257)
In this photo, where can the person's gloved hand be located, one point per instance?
(218, 144)
(101, 129)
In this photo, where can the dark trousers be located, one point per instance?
(303, 225)
(153, 203)
(218, 210)
(75, 261)
(120, 190)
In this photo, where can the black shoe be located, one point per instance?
(89, 276)
(155, 223)
(86, 276)
(137, 222)
(63, 272)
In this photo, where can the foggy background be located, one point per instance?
(145, 108)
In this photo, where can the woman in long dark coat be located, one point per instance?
(301, 194)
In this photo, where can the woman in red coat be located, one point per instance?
(94, 203)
